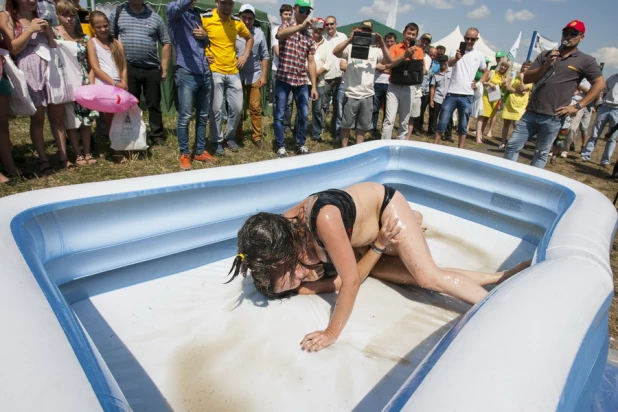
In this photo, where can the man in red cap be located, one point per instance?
(556, 75)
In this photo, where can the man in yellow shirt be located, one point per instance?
(222, 29)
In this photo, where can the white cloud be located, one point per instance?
(380, 8)
(436, 4)
(479, 13)
(607, 55)
(524, 14)
(468, 2)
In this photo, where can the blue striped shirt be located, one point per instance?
(139, 33)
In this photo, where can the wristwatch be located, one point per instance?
(577, 106)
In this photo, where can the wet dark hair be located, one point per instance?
(268, 248)
(411, 26)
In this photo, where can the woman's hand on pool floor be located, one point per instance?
(316, 341)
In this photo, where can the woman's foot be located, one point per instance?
(89, 159)
(65, 164)
(514, 270)
(81, 160)
(479, 141)
(45, 168)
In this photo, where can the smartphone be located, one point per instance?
(412, 43)
(462, 48)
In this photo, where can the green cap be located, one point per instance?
(303, 3)
(500, 54)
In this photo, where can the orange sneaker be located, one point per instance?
(205, 157)
(185, 161)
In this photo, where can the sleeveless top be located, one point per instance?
(106, 62)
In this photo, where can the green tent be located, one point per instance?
(168, 87)
(377, 27)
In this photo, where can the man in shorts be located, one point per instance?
(358, 79)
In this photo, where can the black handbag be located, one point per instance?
(408, 73)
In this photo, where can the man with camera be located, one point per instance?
(407, 70)
(465, 63)
(359, 80)
(296, 58)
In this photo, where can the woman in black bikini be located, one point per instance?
(291, 252)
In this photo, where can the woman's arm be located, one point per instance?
(365, 264)
(509, 87)
(93, 62)
(124, 77)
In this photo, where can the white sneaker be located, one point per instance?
(564, 154)
(282, 153)
(302, 150)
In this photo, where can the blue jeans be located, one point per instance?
(545, 127)
(317, 116)
(301, 97)
(463, 104)
(605, 115)
(192, 88)
(229, 88)
(379, 99)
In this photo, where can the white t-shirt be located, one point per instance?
(334, 71)
(322, 57)
(464, 71)
(360, 74)
(274, 42)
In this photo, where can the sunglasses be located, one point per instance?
(471, 38)
(329, 24)
(571, 33)
(304, 10)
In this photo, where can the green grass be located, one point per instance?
(164, 159)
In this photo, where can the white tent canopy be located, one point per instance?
(452, 40)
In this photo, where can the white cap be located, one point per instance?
(247, 7)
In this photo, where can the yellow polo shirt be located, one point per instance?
(222, 37)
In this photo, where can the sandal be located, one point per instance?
(89, 159)
(45, 170)
(81, 160)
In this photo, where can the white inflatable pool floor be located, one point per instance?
(188, 342)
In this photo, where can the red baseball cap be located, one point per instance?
(576, 25)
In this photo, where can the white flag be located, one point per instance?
(513, 52)
(542, 44)
(391, 19)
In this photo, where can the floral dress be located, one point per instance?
(83, 114)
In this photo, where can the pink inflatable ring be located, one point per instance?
(105, 98)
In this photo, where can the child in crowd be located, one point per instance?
(497, 80)
(69, 30)
(106, 58)
(516, 102)
(29, 38)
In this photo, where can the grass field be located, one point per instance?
(164, 159)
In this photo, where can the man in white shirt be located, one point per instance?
(323, 59)
(359, 78)
(461, 88)
(333, 76)
(380, 85)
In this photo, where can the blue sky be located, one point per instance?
(499, 21)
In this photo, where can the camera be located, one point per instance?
(318, 24)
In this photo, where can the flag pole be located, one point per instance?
(534, 34)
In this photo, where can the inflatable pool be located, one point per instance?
(113, 297)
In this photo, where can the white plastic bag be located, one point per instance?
(71, 121)
(128, 130)
(63, 73)
(20, 102)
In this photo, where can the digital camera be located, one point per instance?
(318, 24)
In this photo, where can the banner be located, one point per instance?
(391, 19)
(512, 54)
(541, 44)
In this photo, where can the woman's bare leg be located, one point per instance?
(86, 135)
(479, 129)
(37, 122)
(492, 123)
(55, 113)
(414, 252)
(505, 130)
